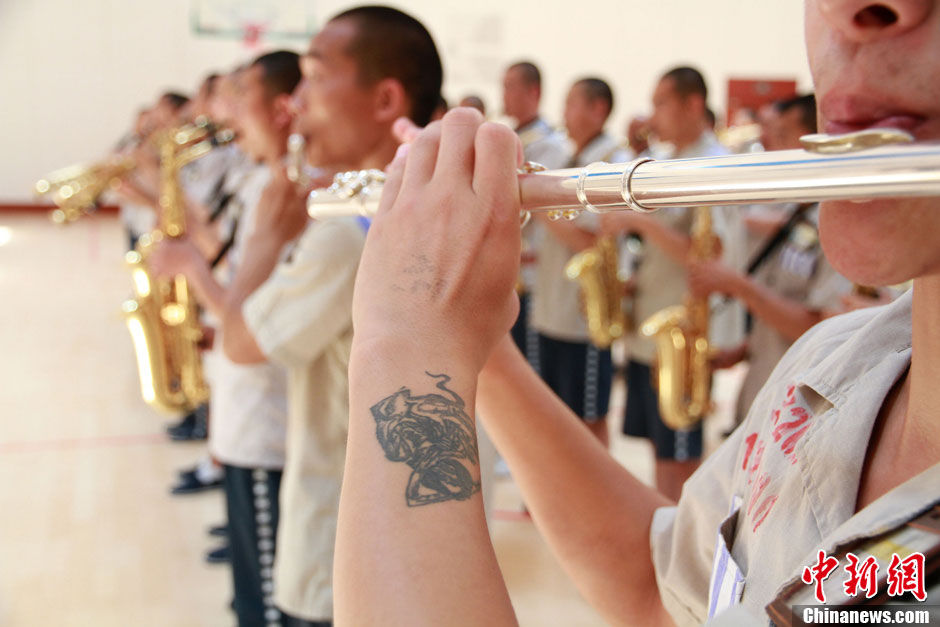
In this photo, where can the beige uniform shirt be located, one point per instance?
(201, 178)
(797, 271)
(301, 318)
(249, 401)
(546, 146)
(784, 486)
(660, 281)
(556, 300)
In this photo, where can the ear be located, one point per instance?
(282, 110)
(600, 110)
(695, 103)
(390, 101)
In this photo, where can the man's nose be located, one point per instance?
(863, 20)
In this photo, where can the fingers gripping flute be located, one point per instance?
(876, 163)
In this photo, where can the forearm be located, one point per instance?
(202, 233)
(196, 211)
(788, 317)
(572, 236)
(209, 292)
(412, 545)
(205, 240)
(260, 259)
(595, 515)
(672, 242)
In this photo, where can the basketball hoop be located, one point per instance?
(252, 32)
(253, 21)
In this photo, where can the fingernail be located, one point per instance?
(402, 152)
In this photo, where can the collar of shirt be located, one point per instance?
(601, 148)
(707, 145)
(536, 130)
(537, 124)
(849, 386)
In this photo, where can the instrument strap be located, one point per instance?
(775, 240)
(221, 199)
(772, 244)
(223, 251)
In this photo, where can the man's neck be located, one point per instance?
(379, 154)
(689, 137)
(524, 121)
(924, 403)
(580, 143)
(906, 436)
(274, 152)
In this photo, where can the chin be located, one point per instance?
(881, 242)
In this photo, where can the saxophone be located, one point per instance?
(162, 318)
(596, 269)
(76, 189)
(683, 374)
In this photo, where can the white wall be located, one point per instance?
(73, 72)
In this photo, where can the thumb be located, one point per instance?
(279, 173)
(405, 130)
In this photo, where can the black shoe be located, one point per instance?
(193, 426)
(221, 555)
(190, 483)
(178, 430)
(219, 531)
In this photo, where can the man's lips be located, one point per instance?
(847, 111)
(902, 121)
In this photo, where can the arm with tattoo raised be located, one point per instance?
(434, 293)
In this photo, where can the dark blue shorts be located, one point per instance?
(579, 373)
(251, 498)
(643, 419)
(524, 334)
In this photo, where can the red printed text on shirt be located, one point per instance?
(788, 424)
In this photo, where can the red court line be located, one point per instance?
(68, 444)
(27, 207)
(511, 515)
(94, 240)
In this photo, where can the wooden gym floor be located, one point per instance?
(89, 534)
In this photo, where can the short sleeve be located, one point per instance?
(683, 537)
(551, 152)
(589, 221)
(307, 301)
(826, 286)
(622, 155)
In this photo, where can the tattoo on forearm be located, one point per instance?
(435, 437)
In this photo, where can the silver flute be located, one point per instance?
(876, 163)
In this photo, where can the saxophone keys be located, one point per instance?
(173, 314)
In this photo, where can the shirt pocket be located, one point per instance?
(727, 580)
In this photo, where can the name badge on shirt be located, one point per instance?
(804, 236)
(727, 581)
(800, 255)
